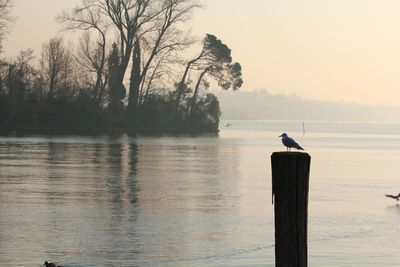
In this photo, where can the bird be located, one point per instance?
(394, 197)
(289, 142)
(50, 264)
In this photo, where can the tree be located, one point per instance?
(214, 60)
(208, 114)
(227, 76)
(206, 52)
(5, 21)
(56, 65)
(166, 38)
(92, 50)
(26, 71)
(66, 91)
(134, 84)
(160, 74)
(5, 18)
(91, 56)
(148, 21)
(116, 90)
(127, 17)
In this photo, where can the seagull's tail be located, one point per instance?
(300, 148)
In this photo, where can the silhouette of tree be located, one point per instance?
(207, 114)
(134, 85)
(214, 54)
(91, 56)
(83, 92)
(227, 75)
(25, 73)
(160, 74)
(214, 60)
(92, 49)
(128, 18)
(6, 20)
(150, 21)
(56, 62)
(166, 38)
(116, 90)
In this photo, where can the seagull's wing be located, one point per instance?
(391, 196)
(289, 142)
(300, 148)
(292, 143)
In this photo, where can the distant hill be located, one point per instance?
(263, 105)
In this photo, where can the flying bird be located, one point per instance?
(394, 197)
(289, 142)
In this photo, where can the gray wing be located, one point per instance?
(289, 142)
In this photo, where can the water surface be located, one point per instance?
(205, 201)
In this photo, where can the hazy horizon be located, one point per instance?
(321, 50)
(264, 105)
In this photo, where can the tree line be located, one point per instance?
(130, 72)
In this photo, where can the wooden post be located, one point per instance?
(290, 182)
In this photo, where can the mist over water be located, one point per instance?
(205, 201)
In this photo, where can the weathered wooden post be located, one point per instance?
(290, 182)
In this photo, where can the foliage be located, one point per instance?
(82, 91)
(116, 90)
(214, 60)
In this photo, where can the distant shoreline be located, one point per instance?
(262, 105)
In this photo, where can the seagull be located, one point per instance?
(394, 197)
(289, 142)
(50, 264)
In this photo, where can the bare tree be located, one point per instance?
(128, 17)
(91, 56)
(56, 65)
(24, 63)
(161, 73)
(136, 21)
(19, 75)
(6, 19)
(92, 50)
(165, 37)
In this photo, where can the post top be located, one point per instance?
(290, 154)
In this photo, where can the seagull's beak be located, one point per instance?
(280, 135)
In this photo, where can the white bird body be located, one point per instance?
(289, 142)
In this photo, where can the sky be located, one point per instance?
(334, 50)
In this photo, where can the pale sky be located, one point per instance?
(336, 50)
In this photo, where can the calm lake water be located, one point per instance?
(206, 201)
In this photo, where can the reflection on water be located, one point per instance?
(394, 208)
(196, 201)
(119, 202)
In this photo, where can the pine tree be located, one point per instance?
(134, 86)
(116, 93)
